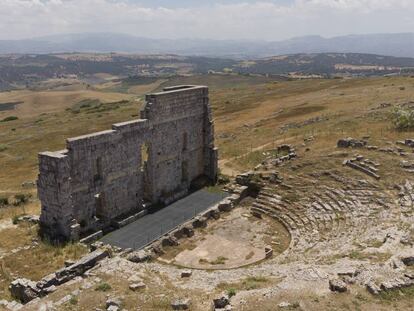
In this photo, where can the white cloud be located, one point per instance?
(244, 20)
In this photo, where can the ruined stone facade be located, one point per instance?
(108, 175)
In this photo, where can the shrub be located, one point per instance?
(103, 287)
(219, 261)
(231, 292)
(254, 282)
(21, 198)
(15, 220)
(73, 300)
(11, 118)
(403, 119)
(3, 148)
(4, 201)
(223, 179)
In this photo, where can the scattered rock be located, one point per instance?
(284, 148)
(186, 273)
(365, 166)
(256, 213)
(351, 142)
(408, 260)
(200, 222)
(188, 231)
(69, 263)
(181, 304)
(170, 240)
(284, 304)
(407, 239)
(12, 305)
(113, 302)
(29, 184)
(80, 267)
(373, 288)
(137, 286)
(139, 256)
(268, 251)
(221, 302)
(225, 206)
(337, 285)
(29, 218)
(409, 143)
(24, 290)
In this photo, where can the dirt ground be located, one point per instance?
(237, 239)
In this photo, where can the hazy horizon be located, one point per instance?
(198, 38)
(220, 20)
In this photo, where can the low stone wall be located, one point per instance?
(26, 290)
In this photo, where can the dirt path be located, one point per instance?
(223, 163)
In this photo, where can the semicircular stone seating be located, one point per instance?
(327, 214)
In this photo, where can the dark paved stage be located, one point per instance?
(152, 226)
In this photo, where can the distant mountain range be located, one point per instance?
(399, 45)
(27, 70)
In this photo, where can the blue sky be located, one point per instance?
(270, 20)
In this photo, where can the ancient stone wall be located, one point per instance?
(107, 175)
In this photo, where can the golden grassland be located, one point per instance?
(252, 114)
(249, 113)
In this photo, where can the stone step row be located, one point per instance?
(298, 217)
(287, 222)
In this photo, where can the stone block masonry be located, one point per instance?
(105, 176)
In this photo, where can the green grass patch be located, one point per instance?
(214, 189)
(231, 292)
(10, 118)
(95, 106)
(249, 283)
(373, 257)
(4, 201)
(396, 295)
(375, 243)
(103, 287)
(219, 261)
(73, 300)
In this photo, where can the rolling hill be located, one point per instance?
(399, 44)
(22, 71)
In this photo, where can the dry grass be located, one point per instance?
(251, 114)
(249, 283)
(36, 103)
(25, 256)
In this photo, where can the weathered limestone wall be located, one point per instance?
(176, 118)
(102, 176)
(54, 191)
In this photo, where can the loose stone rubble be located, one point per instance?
(351, 142)
(25, 290)
(337, 285)
(271, 162)
(221, 302)
(364, 165)
(181, 304)
(407, 142)
(11, 305)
